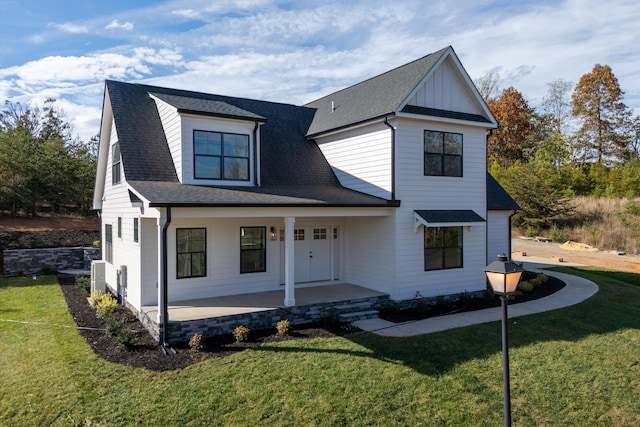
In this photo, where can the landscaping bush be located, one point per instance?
(283, 327)
(196, 342)
(84, 282)
(241, 333)
(105, 305)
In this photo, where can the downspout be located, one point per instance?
(165, 284)
(256, 168)
(393, 160)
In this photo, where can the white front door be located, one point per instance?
(313, 248)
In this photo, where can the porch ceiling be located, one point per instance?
(204, 308)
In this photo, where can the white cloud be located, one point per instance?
(115, 25)
(70, 28)
(186, 13)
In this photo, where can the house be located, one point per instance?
(381, 186)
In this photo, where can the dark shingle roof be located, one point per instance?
(180, 195)
(206, 106)
(497, 197)
(372, 98)
(424, 111)
(449, 216)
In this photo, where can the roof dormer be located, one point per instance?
(212, 142)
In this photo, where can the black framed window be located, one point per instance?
(108, 243)
(253, 249)
(136, 230)
(442, 248)
(192, 252)
(442, 153)
(219, 155)
(115, 164)
(119, 227)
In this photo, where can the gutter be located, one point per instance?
(393, 160)
(164, 335)
(256, 169)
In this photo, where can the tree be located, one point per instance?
(597, 102)
(510, 142)
(557, 105)
(489, 86)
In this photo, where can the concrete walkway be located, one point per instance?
(576, 290)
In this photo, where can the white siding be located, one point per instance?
(149, 233)
(446, 90)
(171, 124)
(370, 253)
(417, 191)
(191, 123)
(361, 158)
(498, 234)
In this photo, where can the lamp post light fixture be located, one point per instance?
(503, 276)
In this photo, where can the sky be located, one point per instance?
(295, 51)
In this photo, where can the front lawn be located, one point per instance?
(578, 366)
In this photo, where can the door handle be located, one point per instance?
(310, 254)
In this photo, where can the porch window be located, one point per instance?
(108, 243)
(136, 229)
(442, 153)
(192, 252)
(253, 252)
(442, 248)
(220, 155)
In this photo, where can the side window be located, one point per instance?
(119, 227)
(442, 153)
(192, 252)
(108, 243)
(442, 248)
(136, 230)
(115, 164)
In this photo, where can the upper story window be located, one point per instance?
(115, 164)
(221, 155)
(442, 153)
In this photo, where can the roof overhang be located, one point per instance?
(447, 218)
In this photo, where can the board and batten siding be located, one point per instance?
(498, 234)
(361, 158)
(418, 192)
(446, 90)
(172, 126)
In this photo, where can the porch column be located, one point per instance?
(289, 262)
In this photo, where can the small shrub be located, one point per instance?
(539, 280)
(241, 333)
(559, 234)
(125, 336)
(105, 306)
(94, 298)
(114, 326)
(525, 286)
(84, 282)
(196, 342)
(389, 309)
(96, 244)
(422, 306)
(283, 327)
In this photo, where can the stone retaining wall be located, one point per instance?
(32, 261)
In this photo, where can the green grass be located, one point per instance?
(578, 366)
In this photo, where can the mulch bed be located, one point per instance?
(144, 352)
(488, 300)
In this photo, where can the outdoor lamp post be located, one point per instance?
(503, 276)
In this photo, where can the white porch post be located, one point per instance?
(289, 262)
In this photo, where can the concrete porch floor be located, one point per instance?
(205, 308)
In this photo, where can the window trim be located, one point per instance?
(116, 165)
(443, 248)
(263, 250)
(178, 253)
(222, 156)
(443, 155)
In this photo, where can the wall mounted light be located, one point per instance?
(272, 233)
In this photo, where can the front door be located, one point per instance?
(312, 254)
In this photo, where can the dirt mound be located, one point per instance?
(47, 232)
(575, 246)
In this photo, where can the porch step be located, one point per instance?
(354, 306)
(358, 315)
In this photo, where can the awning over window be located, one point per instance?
(447, 218)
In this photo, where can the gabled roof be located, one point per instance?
(373, 98)
(287, 158)
(497, 197)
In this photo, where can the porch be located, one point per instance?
(261, 310)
